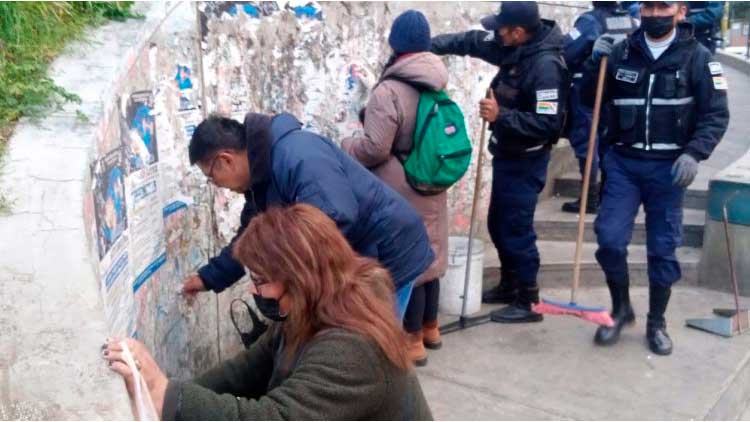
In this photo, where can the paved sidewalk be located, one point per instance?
(552, 370)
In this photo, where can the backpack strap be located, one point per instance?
(416, 85)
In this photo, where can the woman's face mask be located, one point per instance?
(269, 308)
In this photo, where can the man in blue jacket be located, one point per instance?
(272, 161)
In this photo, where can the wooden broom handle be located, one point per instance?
(474, 203)
(587, 176)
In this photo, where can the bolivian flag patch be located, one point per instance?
(720, 82)
(546, 107)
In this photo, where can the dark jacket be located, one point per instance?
(662, 108)
(706, 17)
(531, 87)
(338, 375)
(577, 44)
(306, 167)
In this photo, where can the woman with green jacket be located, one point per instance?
(337, 350)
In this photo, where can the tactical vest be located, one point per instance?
(653, 108)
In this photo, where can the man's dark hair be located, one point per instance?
(214, 134)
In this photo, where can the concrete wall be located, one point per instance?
(109, 216)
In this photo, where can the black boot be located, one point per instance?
(656, 327)
(506, 290)
(520, 310)
(622, 314)
(592, 205)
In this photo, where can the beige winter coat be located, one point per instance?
(389, 124)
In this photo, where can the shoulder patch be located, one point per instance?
(574, 34)
(720, 82)
(626, 75)
(715, 68)
(489, 37)
(546, 94)
(546, 107)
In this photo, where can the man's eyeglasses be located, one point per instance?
(210, 175)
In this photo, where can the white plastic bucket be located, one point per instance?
(452, 285)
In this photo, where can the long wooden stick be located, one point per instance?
(587, 177)
(733, 275)
(475, 201)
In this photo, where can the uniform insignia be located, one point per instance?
(720, 82)
(625, 75)
(546, 107)
(574, 34)
(715, 68)
(546, 94)
(490, 37)
(618, 22)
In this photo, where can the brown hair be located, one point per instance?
(329, 284)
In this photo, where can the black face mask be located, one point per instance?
(657, 27)
(269, 308)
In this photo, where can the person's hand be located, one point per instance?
(602, 47)
(684, 170)
(156, 381)
(488, 108)
(192, 285)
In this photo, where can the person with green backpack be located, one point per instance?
(415, 140)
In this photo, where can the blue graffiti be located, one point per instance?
(309, 11)
(351, 81)
(249, 9)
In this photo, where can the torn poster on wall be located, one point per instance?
(146, 224)
(110, 210)
(138, 132)
(144, 205)
(185, 87)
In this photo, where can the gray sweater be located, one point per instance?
(336, 375)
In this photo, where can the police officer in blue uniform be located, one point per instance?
(525, 115)
(706, 18)
(606, 17)
(668, 112)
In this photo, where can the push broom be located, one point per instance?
(545, 306)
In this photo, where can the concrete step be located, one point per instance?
(552, 224)
(569, 185)
(557, 265)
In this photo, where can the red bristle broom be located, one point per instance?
(545, 306)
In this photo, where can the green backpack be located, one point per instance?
(441, 149)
